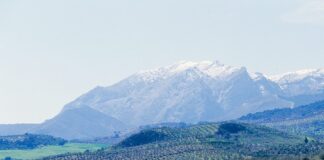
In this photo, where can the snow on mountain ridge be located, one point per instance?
(302, 82)
(185, 91)
(290, 77)
(213, 69)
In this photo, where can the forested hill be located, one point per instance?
(285, 114)
(304, 120)
(228, 140)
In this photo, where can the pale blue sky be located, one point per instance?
(53, 51)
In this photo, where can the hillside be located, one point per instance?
(77, 123)
(303, 120)
(206, 141)
(80, 123)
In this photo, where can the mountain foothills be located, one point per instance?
(219, 141)
(80, 123)
(304, 120)
(187, 92)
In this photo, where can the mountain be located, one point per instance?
(301, 82)
(229, 140)
(303, 120)
(80, 123)
(185, 92)
(303, 86)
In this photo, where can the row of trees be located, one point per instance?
(28, 141)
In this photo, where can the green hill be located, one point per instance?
(228, 140)
(304, 120)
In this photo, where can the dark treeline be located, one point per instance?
(28, 141)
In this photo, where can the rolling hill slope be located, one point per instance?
(228, 140)
(303, 120)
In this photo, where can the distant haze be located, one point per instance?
(53, 51)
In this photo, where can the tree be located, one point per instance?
(306, 140)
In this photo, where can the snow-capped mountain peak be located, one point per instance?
(213, 69)
(302, 82)
(290, 77)
(185, 91)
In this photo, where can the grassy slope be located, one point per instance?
(49, 150)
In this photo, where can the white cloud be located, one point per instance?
(309, 12)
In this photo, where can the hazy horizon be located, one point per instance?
(54, 51)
